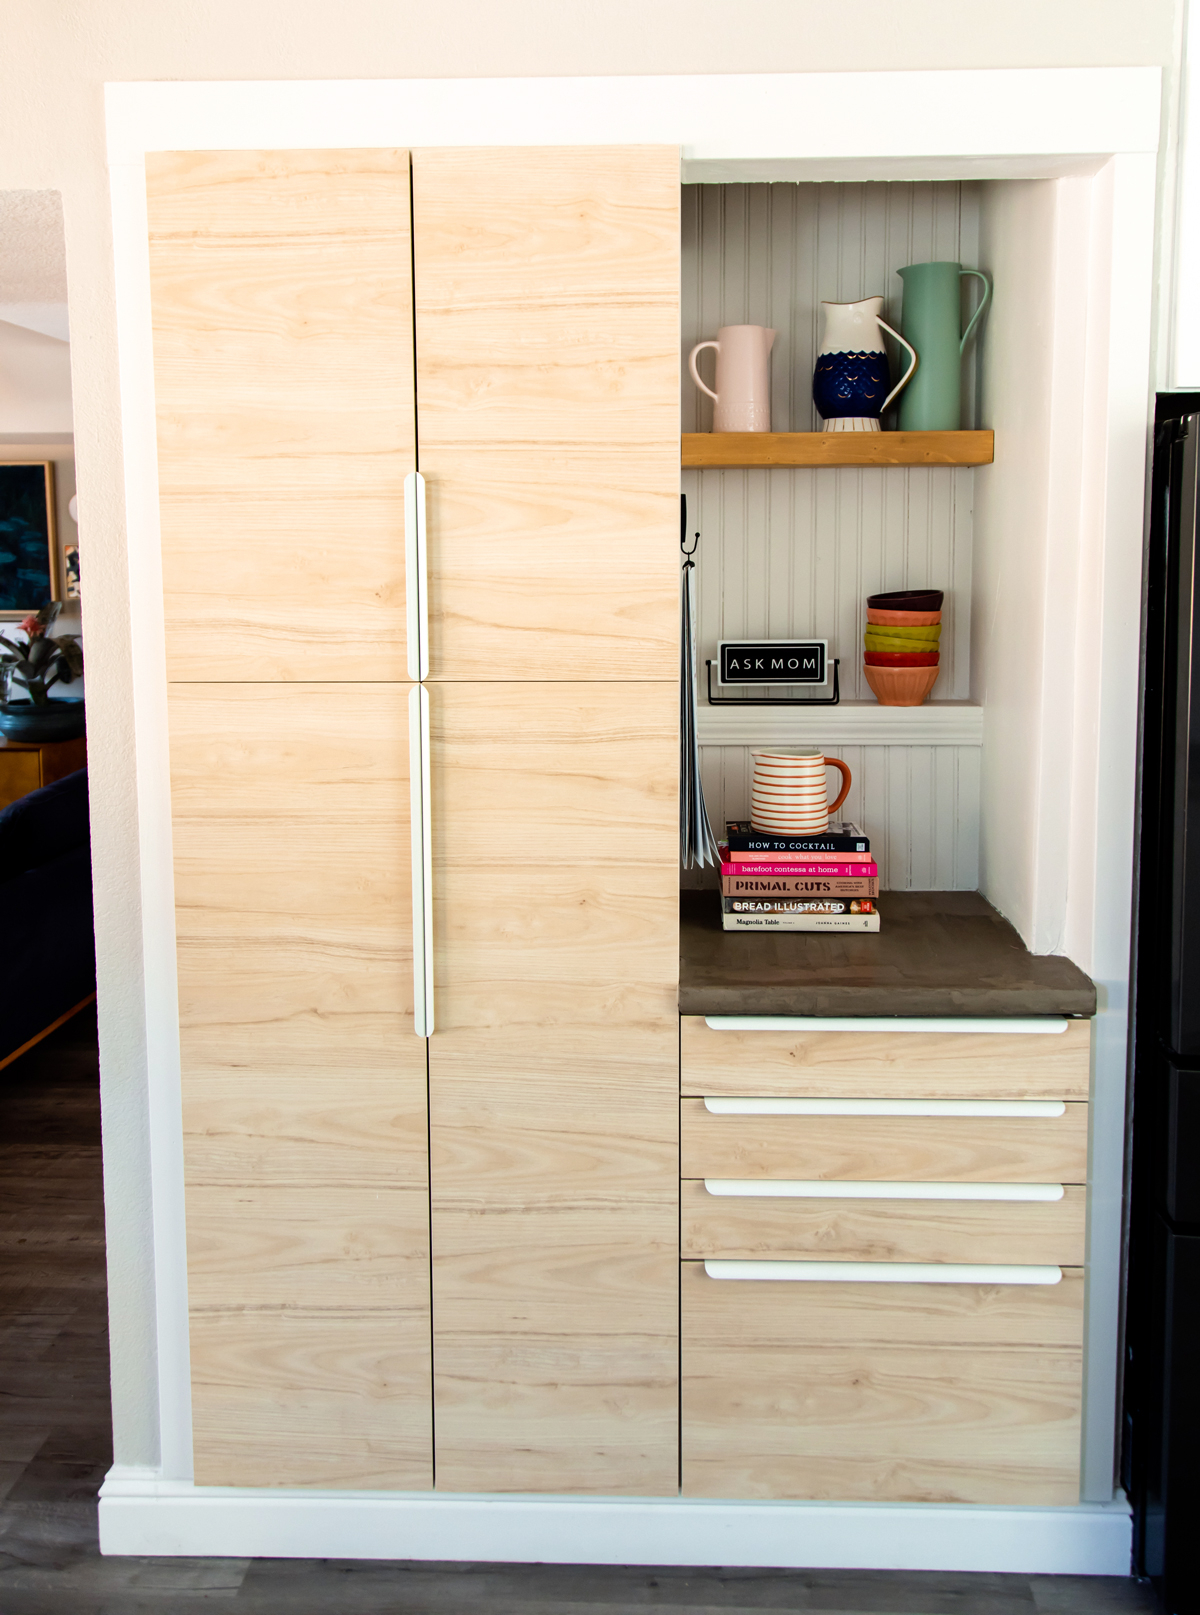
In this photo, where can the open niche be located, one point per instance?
(793, 550)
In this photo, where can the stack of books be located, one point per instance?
(769, 882)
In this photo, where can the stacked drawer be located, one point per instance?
(883, 1242)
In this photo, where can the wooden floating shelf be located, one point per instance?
(705, 450)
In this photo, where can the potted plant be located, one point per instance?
(35, 667)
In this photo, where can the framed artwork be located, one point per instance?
(28, 543)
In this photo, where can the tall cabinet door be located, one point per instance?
(546, 291)
(547, 315)
(281, 290)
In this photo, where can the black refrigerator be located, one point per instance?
(1161, 1445)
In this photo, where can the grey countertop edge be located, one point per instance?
(927, 1001)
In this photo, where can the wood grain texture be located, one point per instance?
(702, 450)
(882, 1392)
(554, 1121)
(552, 562)
(894, 1065)
(312, 1398)
(281, 289)
(884, 1230)
(26, 766)
(547, 321)
(304, 1089)
(20, 773)
(925, 1149)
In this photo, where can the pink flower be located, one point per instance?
(33, 627)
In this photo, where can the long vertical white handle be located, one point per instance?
(416, 576)
(422, 859)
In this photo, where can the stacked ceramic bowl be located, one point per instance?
(901, 656)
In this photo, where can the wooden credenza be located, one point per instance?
(28, 765)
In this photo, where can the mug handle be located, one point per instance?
(987, 293)
(699, 348)
(901, 384)
(836, 762)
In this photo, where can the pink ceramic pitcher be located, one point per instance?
(742, 401)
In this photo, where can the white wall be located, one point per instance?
(53, 65)
(35, 382)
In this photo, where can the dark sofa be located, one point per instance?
(49, 952)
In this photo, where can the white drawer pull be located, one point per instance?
(885, 1272)
(852, 1189)
(720, 1105)
(1039, 1024)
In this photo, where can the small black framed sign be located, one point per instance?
(28, 543)
(772, 661)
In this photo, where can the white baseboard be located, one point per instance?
(141, 1514)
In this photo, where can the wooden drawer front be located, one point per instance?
(921, 1065)
(884, 1230)
(939, 1149)
(956, 1393)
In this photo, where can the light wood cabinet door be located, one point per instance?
(818, 1228)
(281, 289)
(304, 1088)
(953, 1149)
(922, 1393)
(553, 1071)
(886, 1065)
(547, 326)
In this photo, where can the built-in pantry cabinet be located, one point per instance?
(523, 1160)
(449, 1151)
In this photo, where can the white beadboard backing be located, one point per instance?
(771, 254)
(918, 804)
(794, 553)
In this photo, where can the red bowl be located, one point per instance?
(900, 658)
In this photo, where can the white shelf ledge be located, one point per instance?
(851, 723)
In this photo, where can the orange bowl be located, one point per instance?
(901, 686)
(904, 619)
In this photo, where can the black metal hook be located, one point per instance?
(683, 549)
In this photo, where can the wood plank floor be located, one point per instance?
(55, 1447)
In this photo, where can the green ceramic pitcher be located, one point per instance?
(931, 318)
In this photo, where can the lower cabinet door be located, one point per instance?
(304, 1088)
(910, 1392)
(554, 1144)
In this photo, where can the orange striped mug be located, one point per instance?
(789, 795)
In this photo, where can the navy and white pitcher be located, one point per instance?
(851, 381)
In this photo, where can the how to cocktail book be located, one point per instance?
(840, 838)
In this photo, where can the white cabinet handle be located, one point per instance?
(416, 576)
(735, 1105)
(859, 1189)
(885, 1272)
(422, 859)
(1040, 1024)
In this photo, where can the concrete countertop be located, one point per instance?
(936, 953)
